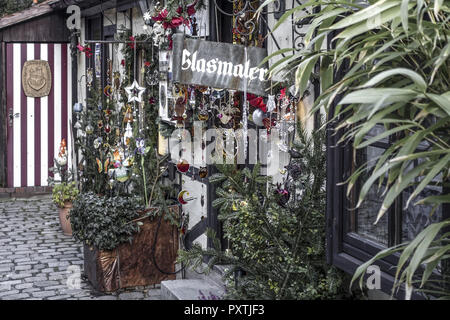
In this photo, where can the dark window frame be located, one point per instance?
(346, 249)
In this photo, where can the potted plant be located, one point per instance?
(124, 245)
(64, 189)
(63, 195)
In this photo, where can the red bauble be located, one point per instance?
(183, 166)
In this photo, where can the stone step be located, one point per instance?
(190, 289)
(214, 276)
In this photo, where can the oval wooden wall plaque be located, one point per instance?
(36, 78)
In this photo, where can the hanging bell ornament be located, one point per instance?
(183, 166)
(258, 117)
(89, 129)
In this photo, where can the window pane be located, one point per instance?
(417, 217)
(366, 215)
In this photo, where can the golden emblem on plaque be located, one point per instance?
(36, 78)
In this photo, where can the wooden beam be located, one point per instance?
(3, 118)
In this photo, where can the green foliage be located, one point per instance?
(279, 247)
(104, 222)
(396, 75)
(144, 167)
(11, 6)
(64, 192)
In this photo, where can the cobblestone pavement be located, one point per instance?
(37, 259)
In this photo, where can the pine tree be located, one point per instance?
(276, 233)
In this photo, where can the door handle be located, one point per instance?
(12, 116)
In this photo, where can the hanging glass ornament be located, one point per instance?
(128, 115)
(100, 124)
(203, 115)
(179, 109)
(99, 165)
(203, 172)
(78, 107)
(152, 77)
(181, 197)
(97, 142)
(61, 159)
(183, 166)
(89, 129)
(116, 80)
(121, 174)
(271, 105)
(135, 92)
(128, 134)
(107, 91)
(107, 128)
(89, 78)
(257, 117)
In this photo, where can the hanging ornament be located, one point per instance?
(128, 134)
(99, 165)
(224, 119)
(107, 128)
(179, 91)
(116, 80)
(111, 183)
(106, 165)
(128, 117)
(257, 117)
(183, 166)
(100, 124)
(182, 197)
(271, 105)
(61, 159)
(179, 109)
(78, 107)
(89, 78)
(122, 174)
(89, 129)
(97, 142)
(135, 92)
(107, 91)
(203, 172)
(203, 115)
(283, 196)
(128, 162)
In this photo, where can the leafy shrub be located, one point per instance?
(64, 192)
(104, 222)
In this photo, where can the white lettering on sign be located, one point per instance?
(190, 61)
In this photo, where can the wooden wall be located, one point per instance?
(47, 28)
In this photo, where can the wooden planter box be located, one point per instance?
(131, 265)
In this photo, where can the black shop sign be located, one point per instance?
(218, 65)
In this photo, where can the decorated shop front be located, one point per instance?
(173, 99)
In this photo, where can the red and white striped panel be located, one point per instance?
(39, 124)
